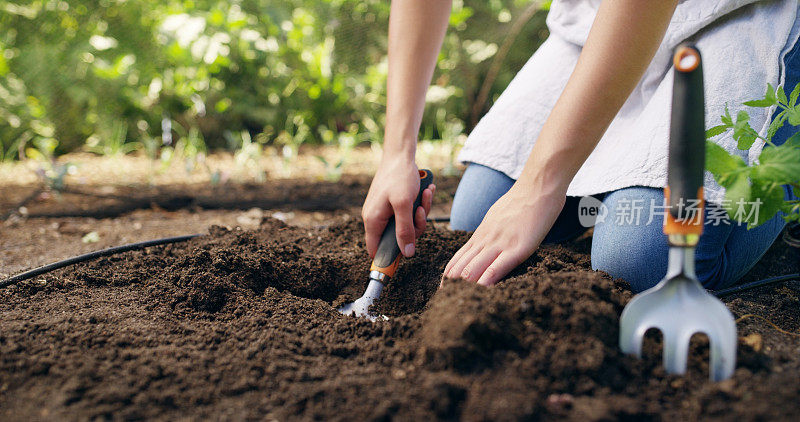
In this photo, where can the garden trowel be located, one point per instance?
(678, 305)
(386, 260)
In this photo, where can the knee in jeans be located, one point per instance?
(464, 218)
(633, 262)
(711, 274)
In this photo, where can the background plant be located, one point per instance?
(108, 73)
(761, 184)
(51, 171)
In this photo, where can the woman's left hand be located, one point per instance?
(510, 232)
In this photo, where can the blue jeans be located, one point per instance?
(630, 242)
(635, 248)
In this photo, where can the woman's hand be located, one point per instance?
(511, 231)
(392, 193)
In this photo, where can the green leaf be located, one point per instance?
(716, 130)
(776, 124)
(726, 118)
(793, 96)
(782, 95)
(779, 165)
(744, 135)
(794, 116)
(722, 164)
(759, 103)
(765, 202)
(737, 193)
(742, 118)
(770, 95)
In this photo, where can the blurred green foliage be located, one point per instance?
(113, 76)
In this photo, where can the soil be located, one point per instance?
(242, 324)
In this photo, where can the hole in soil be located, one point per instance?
(327, 263)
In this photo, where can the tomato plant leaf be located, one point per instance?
(779, 164)
(776, 124)
(770, 95)
(765, 202)
(782, 96)
(722, 164)
(743, 133)
(716, 130)
(759, 103)
(726, 118)
(794, 115)
(737, 193)
(755, 194)
(793, 96)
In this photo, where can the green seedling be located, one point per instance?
(296, 132)
(345, 143)
(50, 171)
(248, 154)
(112, 144)
(755, 193)
(192, 148)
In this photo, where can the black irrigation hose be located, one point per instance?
(748, 286)
(438, 219)
(90, 256)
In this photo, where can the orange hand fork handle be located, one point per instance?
(686, 164)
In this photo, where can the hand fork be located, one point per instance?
(678, 305)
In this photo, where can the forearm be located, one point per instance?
(416, 31)
(622, 42)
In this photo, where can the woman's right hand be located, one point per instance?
(392, 193)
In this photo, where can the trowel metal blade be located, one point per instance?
(360, 308)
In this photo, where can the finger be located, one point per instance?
(403, 217)
(456, 257)
(466, 258)
(427, 200)
(419, 221)
(374, 224)
(498, 269)
(475, 268)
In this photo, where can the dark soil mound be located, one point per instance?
(243, 324)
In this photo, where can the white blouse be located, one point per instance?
(742, 43)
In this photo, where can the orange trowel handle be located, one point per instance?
(388, 255)
(687, 148)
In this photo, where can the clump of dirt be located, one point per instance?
(243, 324)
